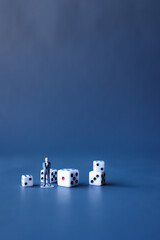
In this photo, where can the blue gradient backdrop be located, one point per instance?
(79, 75)
(80, 80)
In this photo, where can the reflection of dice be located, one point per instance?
(96, 178)
(68, 177)
(98, 166)
(27, 180)
(53, 176)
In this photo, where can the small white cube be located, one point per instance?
(98, 166)
(53, 176)
(96, 178)
(27, 180)
(68, 177)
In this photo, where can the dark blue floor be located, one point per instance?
(128, 207)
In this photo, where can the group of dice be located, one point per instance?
(63, 177)
(97, 176)
(66, 177)
(70, 177)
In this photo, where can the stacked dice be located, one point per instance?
(97, 176)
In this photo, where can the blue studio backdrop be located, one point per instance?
(80, 80)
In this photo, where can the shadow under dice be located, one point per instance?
(68, 177)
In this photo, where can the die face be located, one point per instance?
(53, 176)
(98, 166)
(41, 175)
(103, 177)
(64, 178)
(27, 180)
(96, 178)
(68, 177)
(74, 177)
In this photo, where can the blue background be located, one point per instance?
(80, 80)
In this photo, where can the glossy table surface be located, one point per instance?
(127, 207)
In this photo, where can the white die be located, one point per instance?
(68, 177)
(53, 176)
(27, 180)
(96, 178)
(98, 166)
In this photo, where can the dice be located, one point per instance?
(96, 178)
(27, 180)
(98, 166)
(53, 176)
(68, 177)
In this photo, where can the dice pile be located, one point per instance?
(97, 176)
(68, 177)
